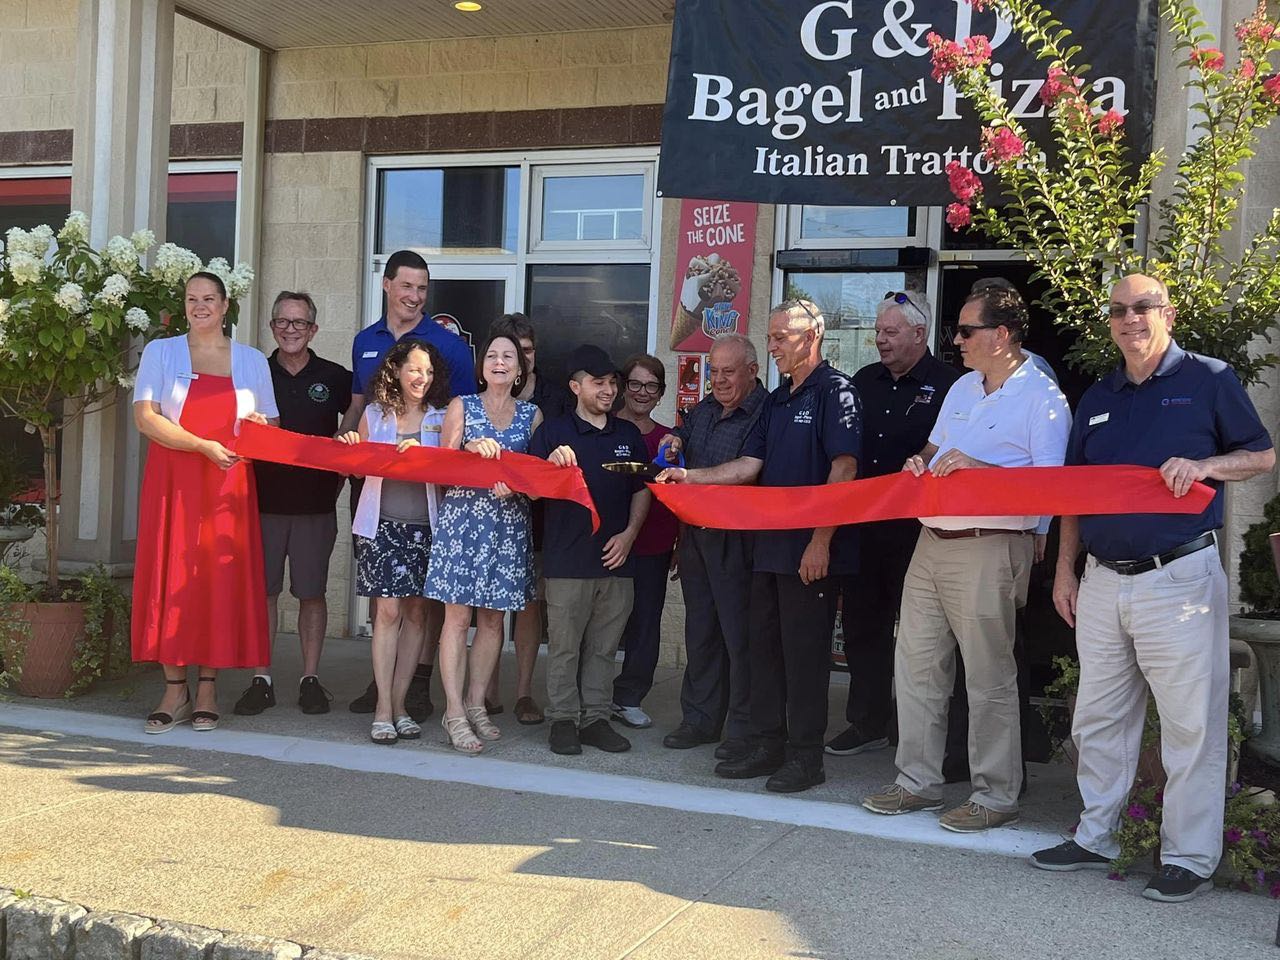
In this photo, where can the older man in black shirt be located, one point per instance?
(715, 565)
(901, 395)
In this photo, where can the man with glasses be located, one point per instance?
(299, 506)
(809, 433)
(968, 575)
(901, 396)
(1150, 609)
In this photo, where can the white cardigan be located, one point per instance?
(382, 429)
(164, 376)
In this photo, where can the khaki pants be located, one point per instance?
(962, 592)
(585, 620)
(1165, 629)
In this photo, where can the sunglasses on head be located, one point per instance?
(900, 298)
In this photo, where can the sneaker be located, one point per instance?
(563, 738)
(1176, 884)
(895, 799)
(854, 741)
(260, 695)
(631, 716)
(602, 736)
(367, 702)
(418, 699)
(312, 697)
(796, 775)
(686, 737)
(973, 817)
(1069, 856)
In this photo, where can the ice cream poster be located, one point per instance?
(713, 272)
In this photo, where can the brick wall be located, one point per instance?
(592, 68)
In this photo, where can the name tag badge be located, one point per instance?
(368, 354)
(188, 376)
(1100, 418)
(435, 429)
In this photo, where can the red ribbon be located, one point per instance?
(988, 492)
(519, 471)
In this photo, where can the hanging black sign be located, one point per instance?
(800, 101)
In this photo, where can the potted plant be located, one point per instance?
(1260, 625)
(70, 317)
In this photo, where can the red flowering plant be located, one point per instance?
(1075, 204)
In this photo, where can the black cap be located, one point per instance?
(591, 359)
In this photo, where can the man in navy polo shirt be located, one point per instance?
(404, 281)
(589, 587)
(809, 433)
(1151, 607)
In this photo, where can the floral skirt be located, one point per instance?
(394, 563)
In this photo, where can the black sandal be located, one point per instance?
(161, 722)
(202, 721)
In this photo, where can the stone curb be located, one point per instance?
(37, 928)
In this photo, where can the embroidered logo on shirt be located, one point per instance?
(319, 392)
(622, 451)
(1176, 402)
(803, 416)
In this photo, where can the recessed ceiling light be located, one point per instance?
(466, 6)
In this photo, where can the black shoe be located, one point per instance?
(1176, 884)
(260, 695)
(601, 735)
(760, 762)
(418, 700)
(564, 738)
(854, 741)
(313, 698)
(735, 748)
(367, 702)
(795, 775)
(685, 737)
(1068, 856)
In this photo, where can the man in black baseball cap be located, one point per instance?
(589, 588)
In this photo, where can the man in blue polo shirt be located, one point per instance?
(589, 587)
(404, 281)
(809, 433)
(1150, 609)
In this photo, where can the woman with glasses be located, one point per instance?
(644, 383)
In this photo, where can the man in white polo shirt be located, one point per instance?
(969, 575)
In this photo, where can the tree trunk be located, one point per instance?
(49, 440)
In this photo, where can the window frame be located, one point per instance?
(548, 171)
(794, 217)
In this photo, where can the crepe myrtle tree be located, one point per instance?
(70, 320)
(1074, 205)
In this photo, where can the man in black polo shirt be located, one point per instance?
(809, 433)
(298, 506)
(901, 395)
(589, 588)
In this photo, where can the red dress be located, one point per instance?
(199, 593)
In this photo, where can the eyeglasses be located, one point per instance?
(966, 330)
(1117, 311)
(285, 323)
(642, 386)
(900, 298)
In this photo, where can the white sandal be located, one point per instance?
(383, 733)
(407, 729)
(458, 732)
(479, 719)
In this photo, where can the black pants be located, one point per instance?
(643, 633)
(791, 625)
(715, 577)
(870, 602)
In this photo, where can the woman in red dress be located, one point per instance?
(199, 590)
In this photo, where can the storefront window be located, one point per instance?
(593, 208)
(449, 210)
(27, 202)
(202, 213)
(855, 223)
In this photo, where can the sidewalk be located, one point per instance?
(296, 827)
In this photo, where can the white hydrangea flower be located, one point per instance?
(121, 256)
(17, 241)
(4, 310)
(142, 240)
(126, 381)
(136, 319)
(76, 229)
(114, 289)
(70, 297)
(239, 281)
(174, 264)
(24, 267)
(41, 239)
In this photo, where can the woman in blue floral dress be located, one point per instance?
(481, 554)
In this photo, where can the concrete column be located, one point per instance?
(252, 164)
(120, 160)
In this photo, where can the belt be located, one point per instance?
(1129, 568)
(974, 532)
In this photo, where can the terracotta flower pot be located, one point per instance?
(56, 631)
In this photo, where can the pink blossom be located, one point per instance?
(1110, 122)
(978, 49)
(1208, 58)
(947, 56)
(1256, 27)
(1271, 88)
(979, 5)
(958, 216)
(1002, 145)
(1248, 68)
(1057, 84)
(964, 182)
